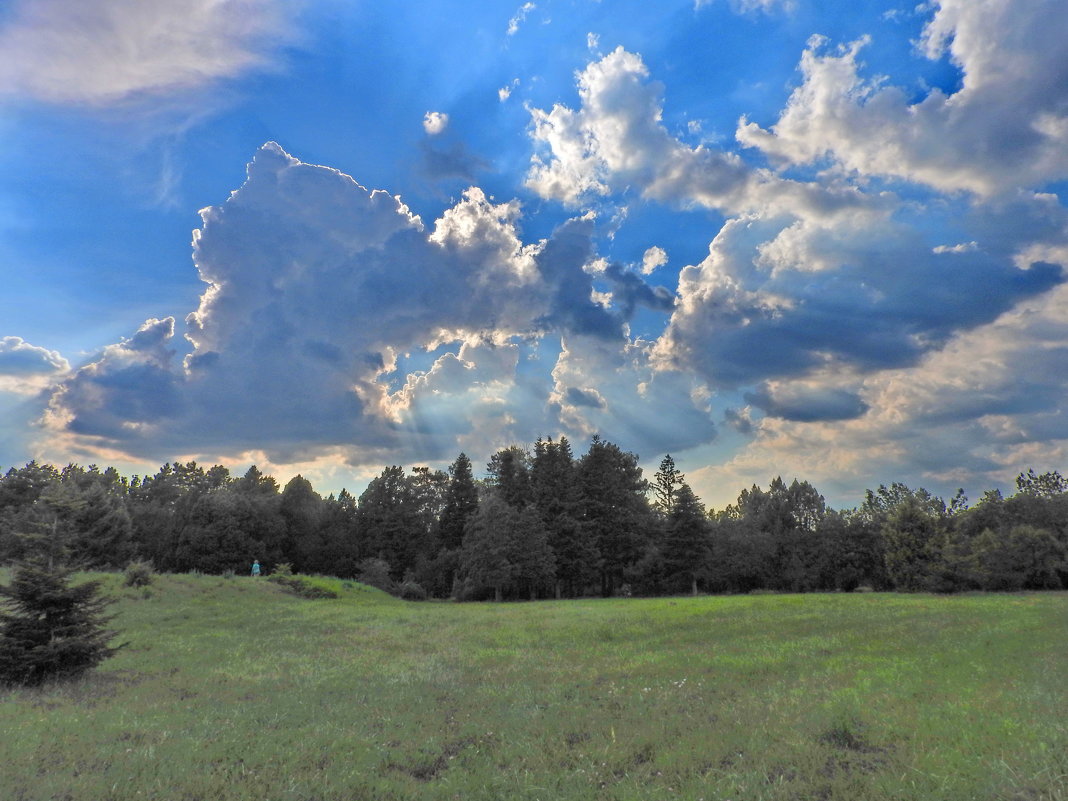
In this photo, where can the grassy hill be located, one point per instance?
(238, 689)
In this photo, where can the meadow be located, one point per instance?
(234, 688)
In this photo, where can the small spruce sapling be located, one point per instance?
(49, 628)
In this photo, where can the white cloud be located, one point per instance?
(652, 258)
(751, 6)
(434, 122)
(314, 286)
(519, 18)
(960, 247)
(616, 140)
(27, 369)
(104, 51)
(1006, 127)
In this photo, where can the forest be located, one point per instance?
(543, 523)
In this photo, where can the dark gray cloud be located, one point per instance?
(808, 404)
(454, 161)
(629, 290)
(755, 309)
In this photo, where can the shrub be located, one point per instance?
(283, 569)
(412, 591)
(302, 587)
(139, 573)
(376, 573)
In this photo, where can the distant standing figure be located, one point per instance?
(255, 567)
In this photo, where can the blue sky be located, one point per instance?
(771, 237)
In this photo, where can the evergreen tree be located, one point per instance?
(50, 628)
(667, 482)
(557, 496)
(532, 560)
(461, 502)
(103, 531)
(509, 474)
(301, 509)
(687, 545)
(485, 559)
(614, 508)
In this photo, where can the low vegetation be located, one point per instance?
(237, 689)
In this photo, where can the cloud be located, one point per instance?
(1005, 128)
(810, 297)
(99, 52)
(962, 247)
(505, 92)
(519, 18)
(752, 6)
(454, 161)
(435, 122)
(616, 140)
(610, 387)
(127, 392)
(976, 413)
(807, 401)
(652, 258)
(315, 288)
(27, 369)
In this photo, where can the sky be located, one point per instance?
(801, 238)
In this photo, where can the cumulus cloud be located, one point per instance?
(103, 51)
(127, 393)
(27, 369)
(616, 140)
(806, 298)
(652, 258)
(315, 288)
(975, 414)
(435, 122)
(1005, 128)
(610, 388)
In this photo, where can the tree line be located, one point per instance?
(544, 523)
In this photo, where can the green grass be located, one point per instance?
(237, 689)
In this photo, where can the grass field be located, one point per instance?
(236, 689)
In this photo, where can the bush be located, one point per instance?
(139, 573)
(302, 587)
(283, 569)
(412, 591)
(375, 572)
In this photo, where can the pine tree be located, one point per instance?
(485, 559)
(666, 485)
(687, 545)
(461, 502)
(533, 562)
(51, 629)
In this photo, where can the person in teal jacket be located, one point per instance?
(255, 567)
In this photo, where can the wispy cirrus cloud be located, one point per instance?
(99, 52)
